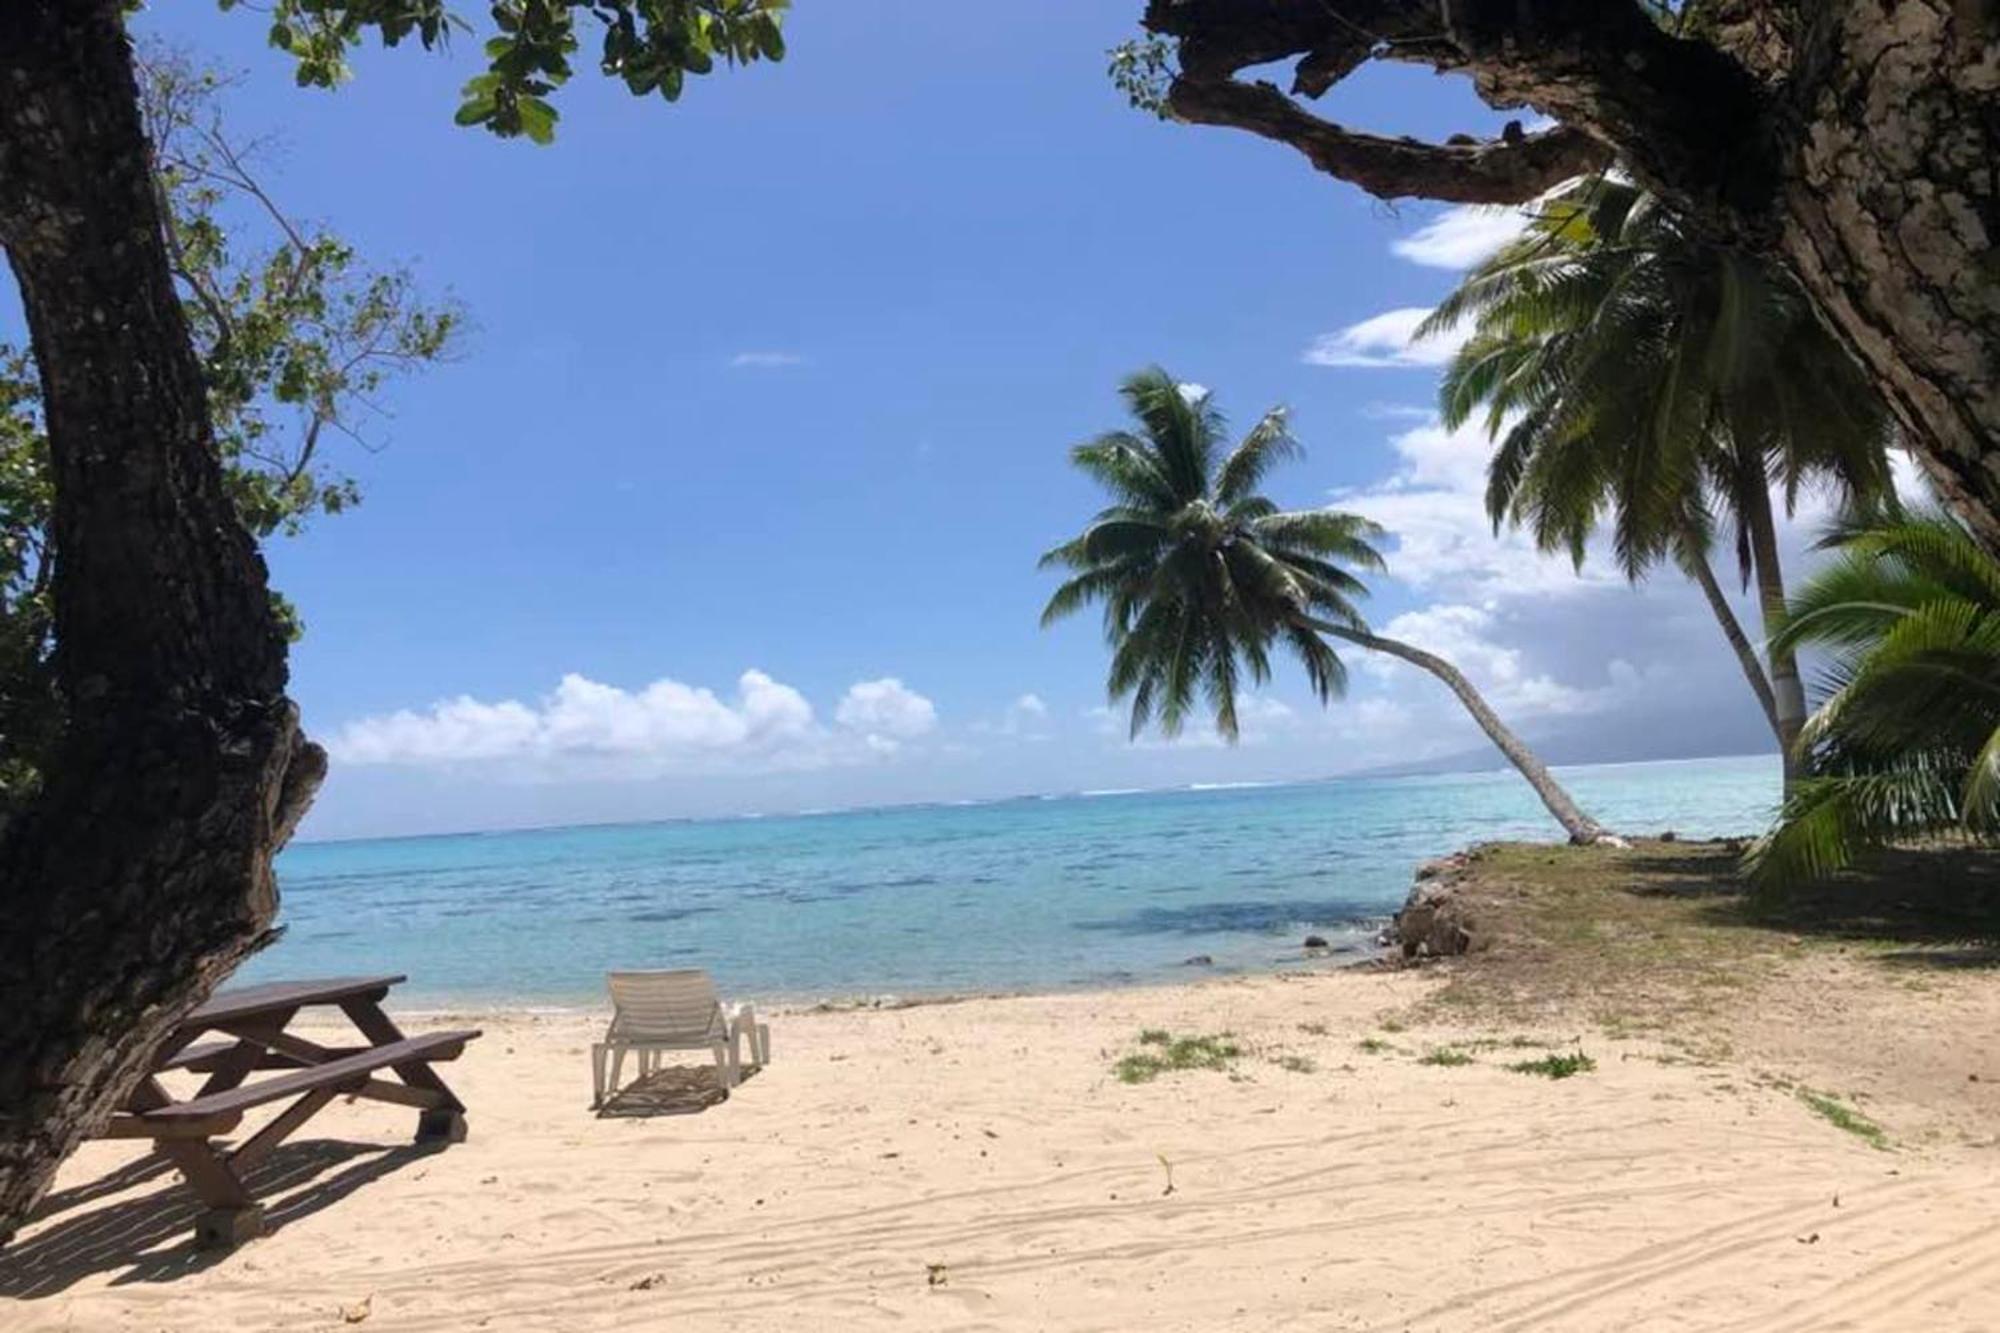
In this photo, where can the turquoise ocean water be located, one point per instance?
(1031, 894)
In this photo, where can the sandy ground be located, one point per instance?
(976, 1166)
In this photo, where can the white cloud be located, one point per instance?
(1260, 714)
(1434, 505)
(1385, 340)
(886, 709)
(1456, 238)
(1381, 411)
(1259, 718)
(584, 728)
(1542, 642)
(1369, 720)
(1462, 236)
(1453, 460)
(1026, 718)
(765, 360)
(1469, 637)
(1191, 392)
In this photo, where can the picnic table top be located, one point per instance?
(249, 1001)
(331, 1074)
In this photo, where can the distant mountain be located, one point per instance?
(1602, 739)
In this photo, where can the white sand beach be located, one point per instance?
(976, 1165)
(1402, 674)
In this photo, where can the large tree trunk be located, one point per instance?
(1788, 692)
(1695, 562)
(1854, 139)
(1581, 828)
(1890, 212)
(142, 873)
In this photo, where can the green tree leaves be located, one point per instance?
(299, 337)
(300, 341)
(652, 45)
(27, 703)
(1143, 70)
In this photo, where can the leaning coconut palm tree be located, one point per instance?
(1201, 576)
(1632, 371)
(1905, 745)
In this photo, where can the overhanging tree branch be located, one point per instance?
(1510, 170)
(1615, 78)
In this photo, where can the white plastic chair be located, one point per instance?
(655, 1012)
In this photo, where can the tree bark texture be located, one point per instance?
(142, 873)
(1856, 140)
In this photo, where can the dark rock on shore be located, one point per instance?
(1437, 919)
(1315, 942)
(1199, 960)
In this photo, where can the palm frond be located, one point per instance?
(1905, 743)
(1830, 821)
(1181, 427)
(1099, 583)
(1324, 670)
(1329, 533)
(1267, 444)
(1127, 466)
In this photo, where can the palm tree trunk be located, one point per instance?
(1696, 564)
(1789, 695)
(1582, 829)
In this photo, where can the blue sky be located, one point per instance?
(779, 380)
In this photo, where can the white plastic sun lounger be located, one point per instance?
(655, 1012)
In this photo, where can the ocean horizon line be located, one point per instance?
(1028, 893)
(1499, 766)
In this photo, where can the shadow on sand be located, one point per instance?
(672, 1090)
(152, 1237)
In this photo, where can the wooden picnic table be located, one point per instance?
(254, 1024)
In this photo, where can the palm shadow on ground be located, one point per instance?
(1935, 908)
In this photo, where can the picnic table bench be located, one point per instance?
(254, 1022)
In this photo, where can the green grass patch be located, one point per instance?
(1556, 1064)
(1506, 1044)
(1165, 1053)
(1663, 937)
(1842, 1116)
(1449, 1057)
(1297, 1064)
(1374, 1045)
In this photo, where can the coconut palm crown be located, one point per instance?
(1632, 370)
(1200, 576)
(1640, 379)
